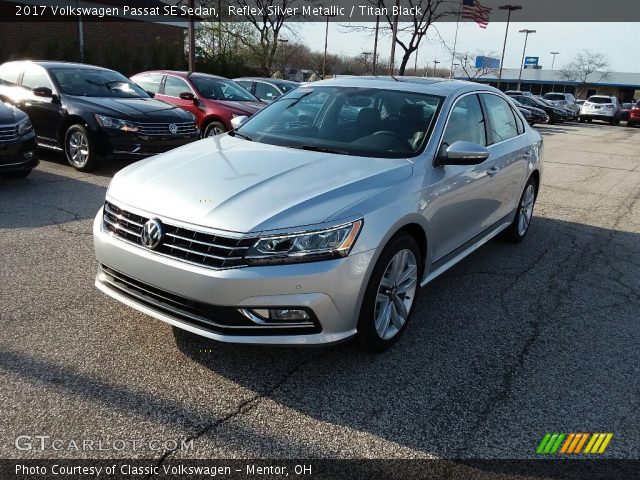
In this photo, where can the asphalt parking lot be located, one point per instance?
(513, 342)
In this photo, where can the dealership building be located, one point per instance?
(625, 86)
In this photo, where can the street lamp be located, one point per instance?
(553, 62)
(524, 51)
(283, 42)
(509, 8)
(435, 64)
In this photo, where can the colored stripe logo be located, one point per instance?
(573, 443)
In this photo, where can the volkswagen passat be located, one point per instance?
(322, 215)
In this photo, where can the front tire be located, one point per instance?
(516, 232)
(390, 296)
(80, 149)
(213, 129)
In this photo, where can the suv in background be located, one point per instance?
(601, 107)
(214, 100)
(92, 112)
(562, 100)
(267, 89)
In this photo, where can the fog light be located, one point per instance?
(264, 315)
(29, 155)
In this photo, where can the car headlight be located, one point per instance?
(24, 126)
(116, 123)
(309, 246)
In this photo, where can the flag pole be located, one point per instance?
(455, 40)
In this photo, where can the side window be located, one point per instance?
(264, 91)
(174, 86)
(245, 84)
(501, 120)
(150, 81)
(519, 122)
(466, 123)
(10, 72)
(35, 76)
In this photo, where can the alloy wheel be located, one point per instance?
(396, 294)
(214, 130)
(526, 209)
(78, 149)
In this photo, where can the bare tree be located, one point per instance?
(587, 67)
(465, 61)
(421, 13)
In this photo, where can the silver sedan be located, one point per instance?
(320, 217)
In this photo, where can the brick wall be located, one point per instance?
(126, 46)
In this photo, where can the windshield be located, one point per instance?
(599, 100)
(348, 120)
(553, 96)
(96, 83)
(221, 89)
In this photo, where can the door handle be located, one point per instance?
(492, 171)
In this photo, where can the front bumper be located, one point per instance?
(123, 144)
(330, 291)
(19, 155)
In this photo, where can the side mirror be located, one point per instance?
(237, 122)
(463, 153)
(150, 93)
(42, 92)
(187, 96)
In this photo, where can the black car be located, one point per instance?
(555, 114)
(93, 113)
(537, 115)
(17, 143)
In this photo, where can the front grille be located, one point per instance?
(162, 129)
(205, 249)
(8, 133)
(224, 320)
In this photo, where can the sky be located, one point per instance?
(615, 40)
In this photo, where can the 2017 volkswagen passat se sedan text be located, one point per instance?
(17, 143)
(304, 228)
(93, 113)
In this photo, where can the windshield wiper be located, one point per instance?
(314, 148)
(233, 133)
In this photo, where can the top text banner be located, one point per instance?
(340, 11)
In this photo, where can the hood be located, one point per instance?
(246, 108)
(10, 115)
(236, 185)
(133, 108)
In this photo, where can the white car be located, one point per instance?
(601, 107)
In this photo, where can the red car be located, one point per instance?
(213, 100)
(634, 115)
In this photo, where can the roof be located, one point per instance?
(531, 75)
(182, 73)
(267, 79)
(435, 86)
(60, 64)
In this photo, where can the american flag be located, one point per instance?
(473, 10)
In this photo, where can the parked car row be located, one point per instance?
(92, 113)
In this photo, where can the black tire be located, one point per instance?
(80, 149)
(213, 128)
(581, 120)
(17, 174)
(630, 124)
(367, 331)
(514, 233)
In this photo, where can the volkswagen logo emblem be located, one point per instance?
(151, 233)
(173, 128)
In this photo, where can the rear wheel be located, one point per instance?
(630, 124)
(389, 299)
(80, 149)
(516, 232)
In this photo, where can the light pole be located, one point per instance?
(394, 36)
(435, 64)
(326, 39)
(553, 62)
(509, 8)
(283, 42)
(192, 39)
(524, 51)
